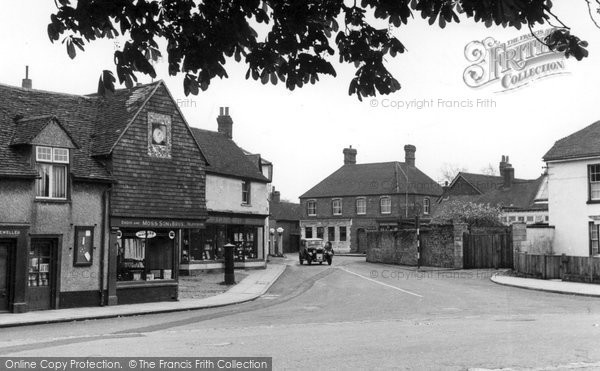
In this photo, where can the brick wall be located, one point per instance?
(392, 247)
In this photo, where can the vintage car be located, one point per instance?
(315, 250)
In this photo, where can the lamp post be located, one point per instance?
(272, 241)
(279, 241)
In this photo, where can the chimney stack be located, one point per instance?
(503, 164)
(409, 154)
(349, 156)
(26, 83)
(225, 123)
(508, 175)
(275, 196)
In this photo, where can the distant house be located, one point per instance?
(574, 191)
(284, 215)
(236, 201)
(360, 197)
(521, 200)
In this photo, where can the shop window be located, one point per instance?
(336, 205)
(146, 255)
(330, 233)
(385, 205)
(343, 234)
(311, 207)
(246, 194)
(361, 206)
(308, 232)
(84, 246)
(52, 166)
(320, 232)
(245, 239)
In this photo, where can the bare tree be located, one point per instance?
(489, 169)
(450, 171)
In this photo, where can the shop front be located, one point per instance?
(146, 257)
(13, 263)
(203, 249)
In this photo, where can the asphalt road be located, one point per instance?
(353, 315)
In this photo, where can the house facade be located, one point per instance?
(574, 192)
(521, 200)
(236, 201)
(97, 193)
(284, 225)
(357, 198)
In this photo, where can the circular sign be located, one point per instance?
(119, 234)
(145, 234)
(171, 234)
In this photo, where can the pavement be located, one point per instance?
(556, 286)
(255, 284)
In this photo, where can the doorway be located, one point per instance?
(41, 290)
(6, 269)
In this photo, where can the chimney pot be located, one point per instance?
(409, 154)
(349, 156)
(26, 83)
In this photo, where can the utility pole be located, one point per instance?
(417, 226)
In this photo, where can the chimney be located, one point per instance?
(503, 164)
(276, 196)
(225, 122)
(508, 175)
(349, 156)
(26, 83)
(409, 154)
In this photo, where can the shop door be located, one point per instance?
(42, 271)
(5, 274)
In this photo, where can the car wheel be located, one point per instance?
(300, 260)
(308, 261)
(320, 263)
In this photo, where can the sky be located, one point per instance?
(304, 132)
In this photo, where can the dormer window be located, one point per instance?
(52, 165)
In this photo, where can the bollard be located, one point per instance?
(229, 265)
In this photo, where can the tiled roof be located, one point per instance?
(225, 157)
(76, 115)
(583, 143)
(285, 210)
(482, 182)
(375, 179)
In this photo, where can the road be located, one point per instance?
(353, 315)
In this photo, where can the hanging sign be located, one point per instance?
(171, 234)
(145, 234)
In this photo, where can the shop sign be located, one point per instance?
(171, 234)
(155, 223)
(145, 234)
(10, 232)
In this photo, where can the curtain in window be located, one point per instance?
(43, 183)
(59, 189)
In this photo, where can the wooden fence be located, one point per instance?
(568, 268)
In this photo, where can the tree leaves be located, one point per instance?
(295, 46)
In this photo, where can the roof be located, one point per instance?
(285, 211)
(481, 182)
(583, 143)
(375, 179)
(225, 157)
(76, 115)
(521, 195)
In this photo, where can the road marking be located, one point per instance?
(380, 283)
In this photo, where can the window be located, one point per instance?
(51, 164)
(84, 246)
(342, 233)
(521, 218)
(426, 206)
(146, 255)
(512, 219)
(504, 219)
(385, 205)
(594, 182)
(539, 218)
(330, 233)
(593, 239)
(529, 218)
(308, 233)
(361, 206)
(320, 231)
(336, 205)
(311, 208)
(246, 193)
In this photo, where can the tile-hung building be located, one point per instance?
(96, 194)
(360, 197)
(236, 201)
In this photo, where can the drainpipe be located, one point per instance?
(103, 242)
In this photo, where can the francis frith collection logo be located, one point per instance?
(511, 64)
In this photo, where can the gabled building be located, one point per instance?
(573, 165)
(96, 194)
(237, 202)
(361, 197)
(521, 200)
(285, 218)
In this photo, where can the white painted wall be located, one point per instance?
(225, 194)
(568, 208)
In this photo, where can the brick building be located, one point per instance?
(96, 193)
(361, 197)
(285, 215)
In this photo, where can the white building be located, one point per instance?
(574, 191)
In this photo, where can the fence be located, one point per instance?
(567, 268)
